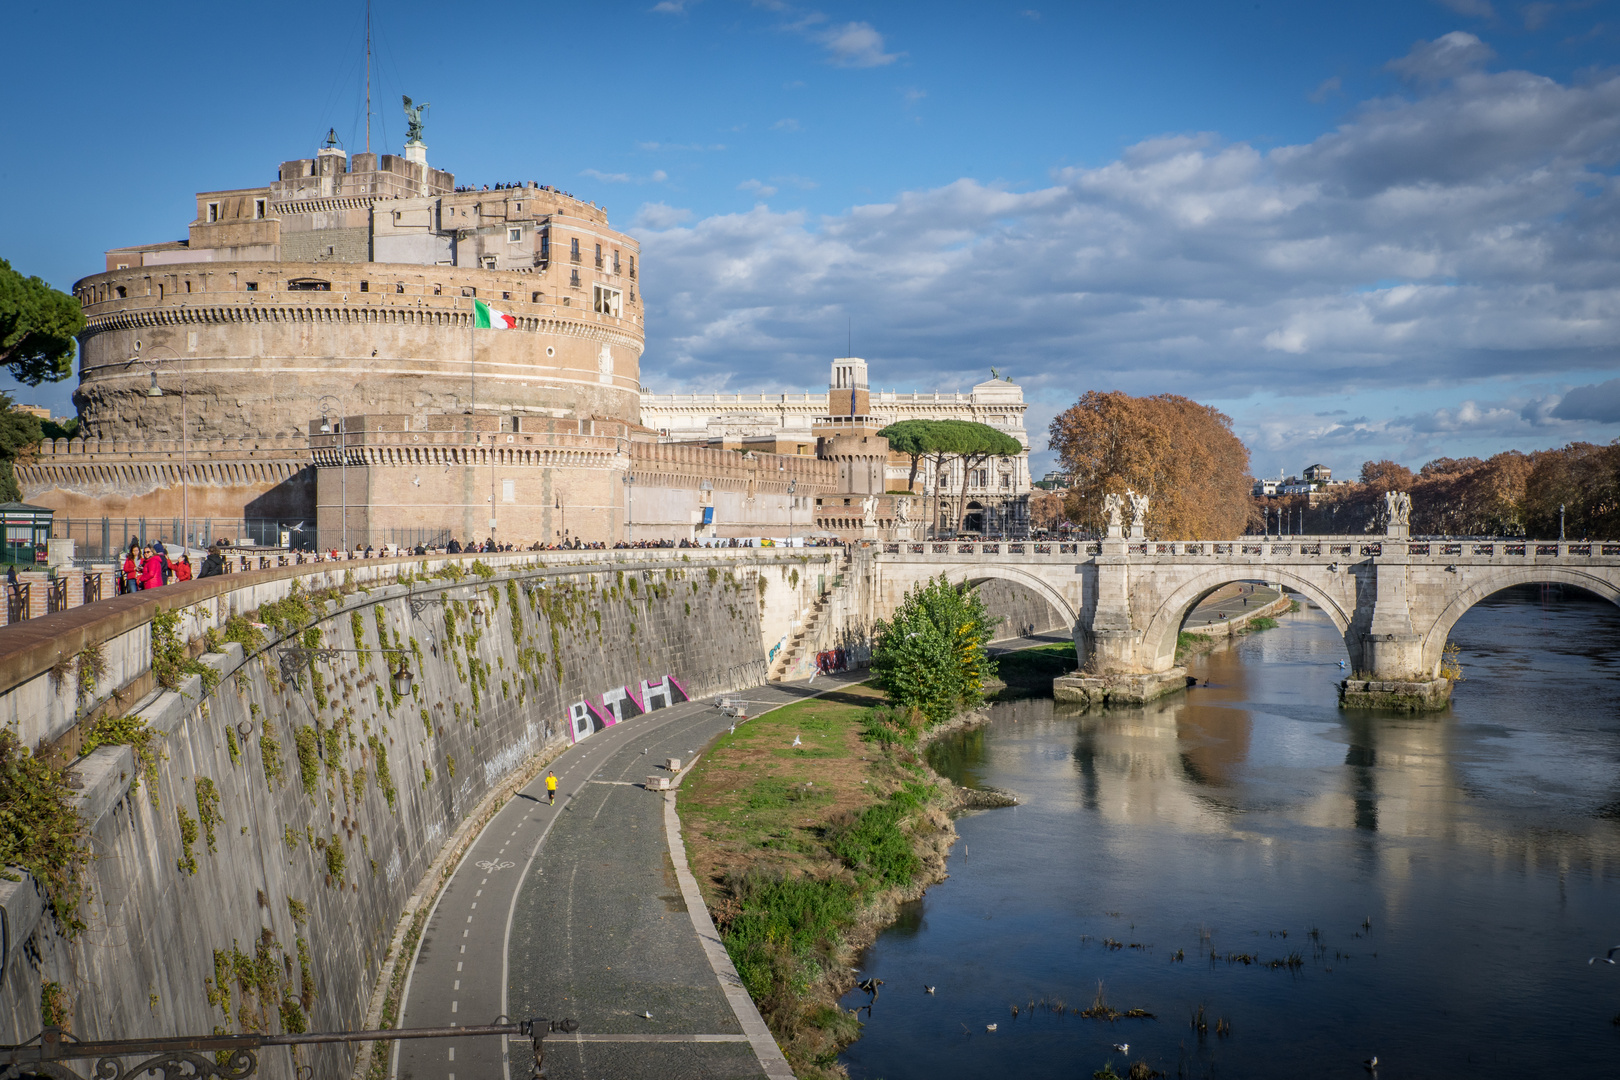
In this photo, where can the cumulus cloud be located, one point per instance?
(1600, 402)
(857, 45)
(764, 191)
(658, 215)
(1464, 238)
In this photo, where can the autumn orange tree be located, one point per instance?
(1180, 454)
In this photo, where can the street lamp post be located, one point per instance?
(1560, 521)
(629, 508)
(793, 487)
(343, 459)
(154, 390)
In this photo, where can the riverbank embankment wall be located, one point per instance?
(250, 872)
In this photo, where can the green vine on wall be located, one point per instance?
(309, 757)
(208, 811)
(187, 863)
(130, 731)
(41, 830)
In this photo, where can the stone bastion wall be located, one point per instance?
(256, 345)
(257, 869)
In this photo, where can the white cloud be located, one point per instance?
(786, 124)
(657, 176)
(1447, 57)
(764, 191)
(672, 7)
(1330, 87)
(658, 216)
(856, 44)
(1462, 239)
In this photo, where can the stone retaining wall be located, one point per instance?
(288, 780)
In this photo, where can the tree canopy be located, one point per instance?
(942, 440)
(1509, 494)
(18, 431)
(37, 328)
(1180, 454)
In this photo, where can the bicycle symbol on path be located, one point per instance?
(489, 866)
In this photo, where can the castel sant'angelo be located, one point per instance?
(308, 354)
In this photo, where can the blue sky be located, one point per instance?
(1361, 229)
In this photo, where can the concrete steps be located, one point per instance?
(806, 632)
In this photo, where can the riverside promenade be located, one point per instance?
(586, 910)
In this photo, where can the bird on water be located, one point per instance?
(928, 989)
(1371, 1064)
(1124, 1048)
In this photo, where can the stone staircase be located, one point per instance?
(806, 631)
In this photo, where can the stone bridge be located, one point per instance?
(1394, 598)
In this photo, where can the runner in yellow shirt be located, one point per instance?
(551, 786)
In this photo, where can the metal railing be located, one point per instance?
(228, 1057)
(105, 539)
(56, 595)
(17, 602)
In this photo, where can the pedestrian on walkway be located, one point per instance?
(551, 787)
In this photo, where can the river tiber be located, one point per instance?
(427, 653)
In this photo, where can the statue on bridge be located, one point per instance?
(869, 510)
(1139, 509)
(1397, 507)
(1111, 507)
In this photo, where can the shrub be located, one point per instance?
(931, 655)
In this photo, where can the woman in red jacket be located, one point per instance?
(182, 569)
(151, 569)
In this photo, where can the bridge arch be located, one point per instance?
(1159, 638)
(1493, 581)
(962, 575)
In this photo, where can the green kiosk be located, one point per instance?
(27, 530)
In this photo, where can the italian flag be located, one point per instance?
(487, 318)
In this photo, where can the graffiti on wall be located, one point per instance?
(621, 703)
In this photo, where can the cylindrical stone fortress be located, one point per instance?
(360, 284)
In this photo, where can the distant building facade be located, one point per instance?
(996, 498)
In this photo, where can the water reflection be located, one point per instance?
(1457, 869)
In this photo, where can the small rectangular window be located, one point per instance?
(438, 290)
(520, 208)
(258, 209)
(615, 262)
(534, 298)
(573, 278)
(632, 266)
(399, 286)
(253, 286)
(468, 290)
(489, 262)
(573, 249)
(365, 286)
(514, 235)
(506, 296)
(213, 211)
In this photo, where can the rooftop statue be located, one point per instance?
(1139, 508)
(1398, 507)
(413, 119)
(1111, 507)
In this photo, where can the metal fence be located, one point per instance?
(105, 539)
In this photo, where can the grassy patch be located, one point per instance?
(800, 849)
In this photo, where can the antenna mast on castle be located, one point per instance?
(368, 76)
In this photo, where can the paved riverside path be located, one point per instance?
(1230, 602)
(575, 911)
